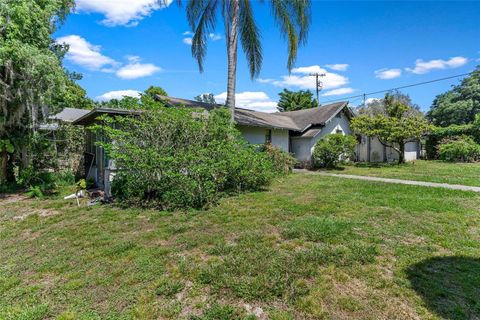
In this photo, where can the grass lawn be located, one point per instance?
(430, 171)
(311, 247)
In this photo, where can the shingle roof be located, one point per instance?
(95, 113)
(314, 116)
(299, 120)
(263, 119)
(178, 102)
(310, 133)
(69, 114)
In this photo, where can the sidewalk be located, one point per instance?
(397, 181)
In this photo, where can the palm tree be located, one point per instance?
(292, 17)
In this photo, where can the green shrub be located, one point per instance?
(439, 134)
(332, 150)
(463, 149)
(177, 158)
(44, 180)
(34, 192)
(283, 162)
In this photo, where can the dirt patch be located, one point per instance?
(41, 212)
(355, 299)
(11, 198)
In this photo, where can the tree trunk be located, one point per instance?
(401, 153)
(232, 46)
(3, 166)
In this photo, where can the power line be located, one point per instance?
(402, 87)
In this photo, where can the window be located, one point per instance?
(339, 131)
(268, 136)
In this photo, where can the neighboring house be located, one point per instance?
(296, 132)
(370, 149)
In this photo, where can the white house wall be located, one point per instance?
(303, 148)
(256, 135)
(281, 139)
(336, 125)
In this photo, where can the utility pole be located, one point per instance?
(318, 83)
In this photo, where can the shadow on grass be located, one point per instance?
(380, 165)
(450, 286)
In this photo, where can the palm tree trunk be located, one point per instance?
(232, 46)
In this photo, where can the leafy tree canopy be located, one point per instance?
(378, 106)
(152, 91)
(206, 97)
(146, 101)
(31, 73)
(459, 105)
(296, 100)
(399, 124)
(74, 96)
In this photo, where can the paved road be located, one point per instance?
(398, 181)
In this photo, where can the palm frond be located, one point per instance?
(250, 38)
(293, 18)
(201, 15)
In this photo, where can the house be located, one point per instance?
(296, 132)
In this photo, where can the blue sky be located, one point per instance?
(123, 46)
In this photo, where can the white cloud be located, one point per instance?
(337, 66)
(214, 36)
(188, 39)
(121, 12)
(310, 69)
(85, 54)
(134, 69)
(338, 92)
(303, 80)
(422, 67)
(388, 73)
(265, 80)
(107, 96)
(370, 100)
(253, 100)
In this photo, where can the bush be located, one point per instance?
(43, 180)
(332, 150)
(439, 134)
(283, 162)
(177, 158)
(462, 149)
